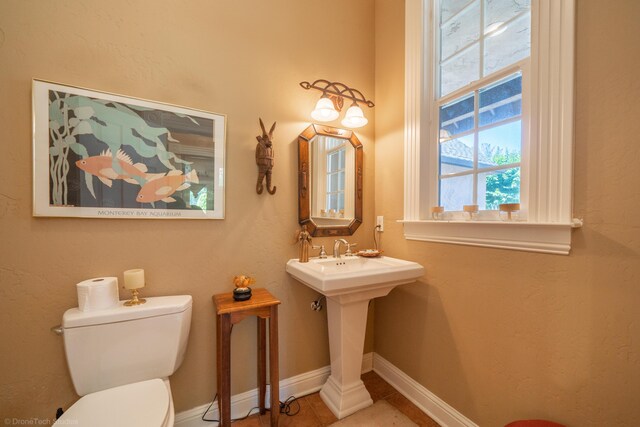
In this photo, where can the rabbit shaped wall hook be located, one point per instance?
(264, 158)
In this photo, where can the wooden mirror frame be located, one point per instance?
(304, 199)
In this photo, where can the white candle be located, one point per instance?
(134, 279)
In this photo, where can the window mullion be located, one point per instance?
(476, 121)
(456, 174)
(500, 167)
(457, 135)
(459, 52)
(494, 77)
(512, 19)
(482, 110)
(481, 40)
(500, 123)
(481, 170)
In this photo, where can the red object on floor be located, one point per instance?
(534, 423)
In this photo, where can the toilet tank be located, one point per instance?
(123, 345)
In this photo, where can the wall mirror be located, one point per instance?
(330, 167)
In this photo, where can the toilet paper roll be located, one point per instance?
(98, 294)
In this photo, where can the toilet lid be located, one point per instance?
(142, 404)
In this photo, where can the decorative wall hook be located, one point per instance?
(264, 158)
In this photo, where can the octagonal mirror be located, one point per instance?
(330, 168)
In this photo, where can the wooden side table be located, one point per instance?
(229, 312)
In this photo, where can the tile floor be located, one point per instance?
(314, 413)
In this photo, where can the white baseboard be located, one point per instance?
(241, 404)
(367, 362)
(428, 402)
(312, 381)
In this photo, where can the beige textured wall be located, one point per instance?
(505, 335)
(242, 58)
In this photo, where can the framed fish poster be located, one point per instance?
(101, 155)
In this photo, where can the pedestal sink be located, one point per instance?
(349, 283)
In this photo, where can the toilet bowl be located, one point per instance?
(120, 359)
(142, 404)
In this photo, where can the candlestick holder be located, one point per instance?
(509, 211)
(134, 280)
(134, 299)
(437, 213)
(471, 212)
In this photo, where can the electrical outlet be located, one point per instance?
(380, 223)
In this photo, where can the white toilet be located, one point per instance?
(120, 358)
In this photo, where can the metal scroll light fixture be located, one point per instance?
(332, 100)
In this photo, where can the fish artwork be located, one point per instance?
(102, 167)
(161, 188)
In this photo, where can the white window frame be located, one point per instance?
(547, 154)
(336, 172)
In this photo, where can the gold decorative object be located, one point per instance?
(242, 292)
(134, 299)
(471, 210)
(510, 209)
(134, 280)
(243, 281)
(437, 212)
(304, 237)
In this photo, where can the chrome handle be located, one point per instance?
(57, 330)
(323, 253)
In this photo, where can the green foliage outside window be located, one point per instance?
(503, 187)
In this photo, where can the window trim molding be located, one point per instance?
(550, 165)
(553, 238)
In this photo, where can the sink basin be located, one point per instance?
(337, 276)
(349, 283)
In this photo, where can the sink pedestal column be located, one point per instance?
(349, 284)
(344, 392)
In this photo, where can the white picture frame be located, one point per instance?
(102, 155)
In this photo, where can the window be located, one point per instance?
(479, 110)
(330, 181)
(480, 146)
(336, 153)
(477, 38)
(488, 120)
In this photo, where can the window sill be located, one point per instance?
(552, 238)
(327, 220)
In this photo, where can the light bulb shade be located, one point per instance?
(325, 111)
(354, 118)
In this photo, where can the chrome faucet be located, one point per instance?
(336, 247)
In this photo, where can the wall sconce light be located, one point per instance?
(325, 110)
(331, 102)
